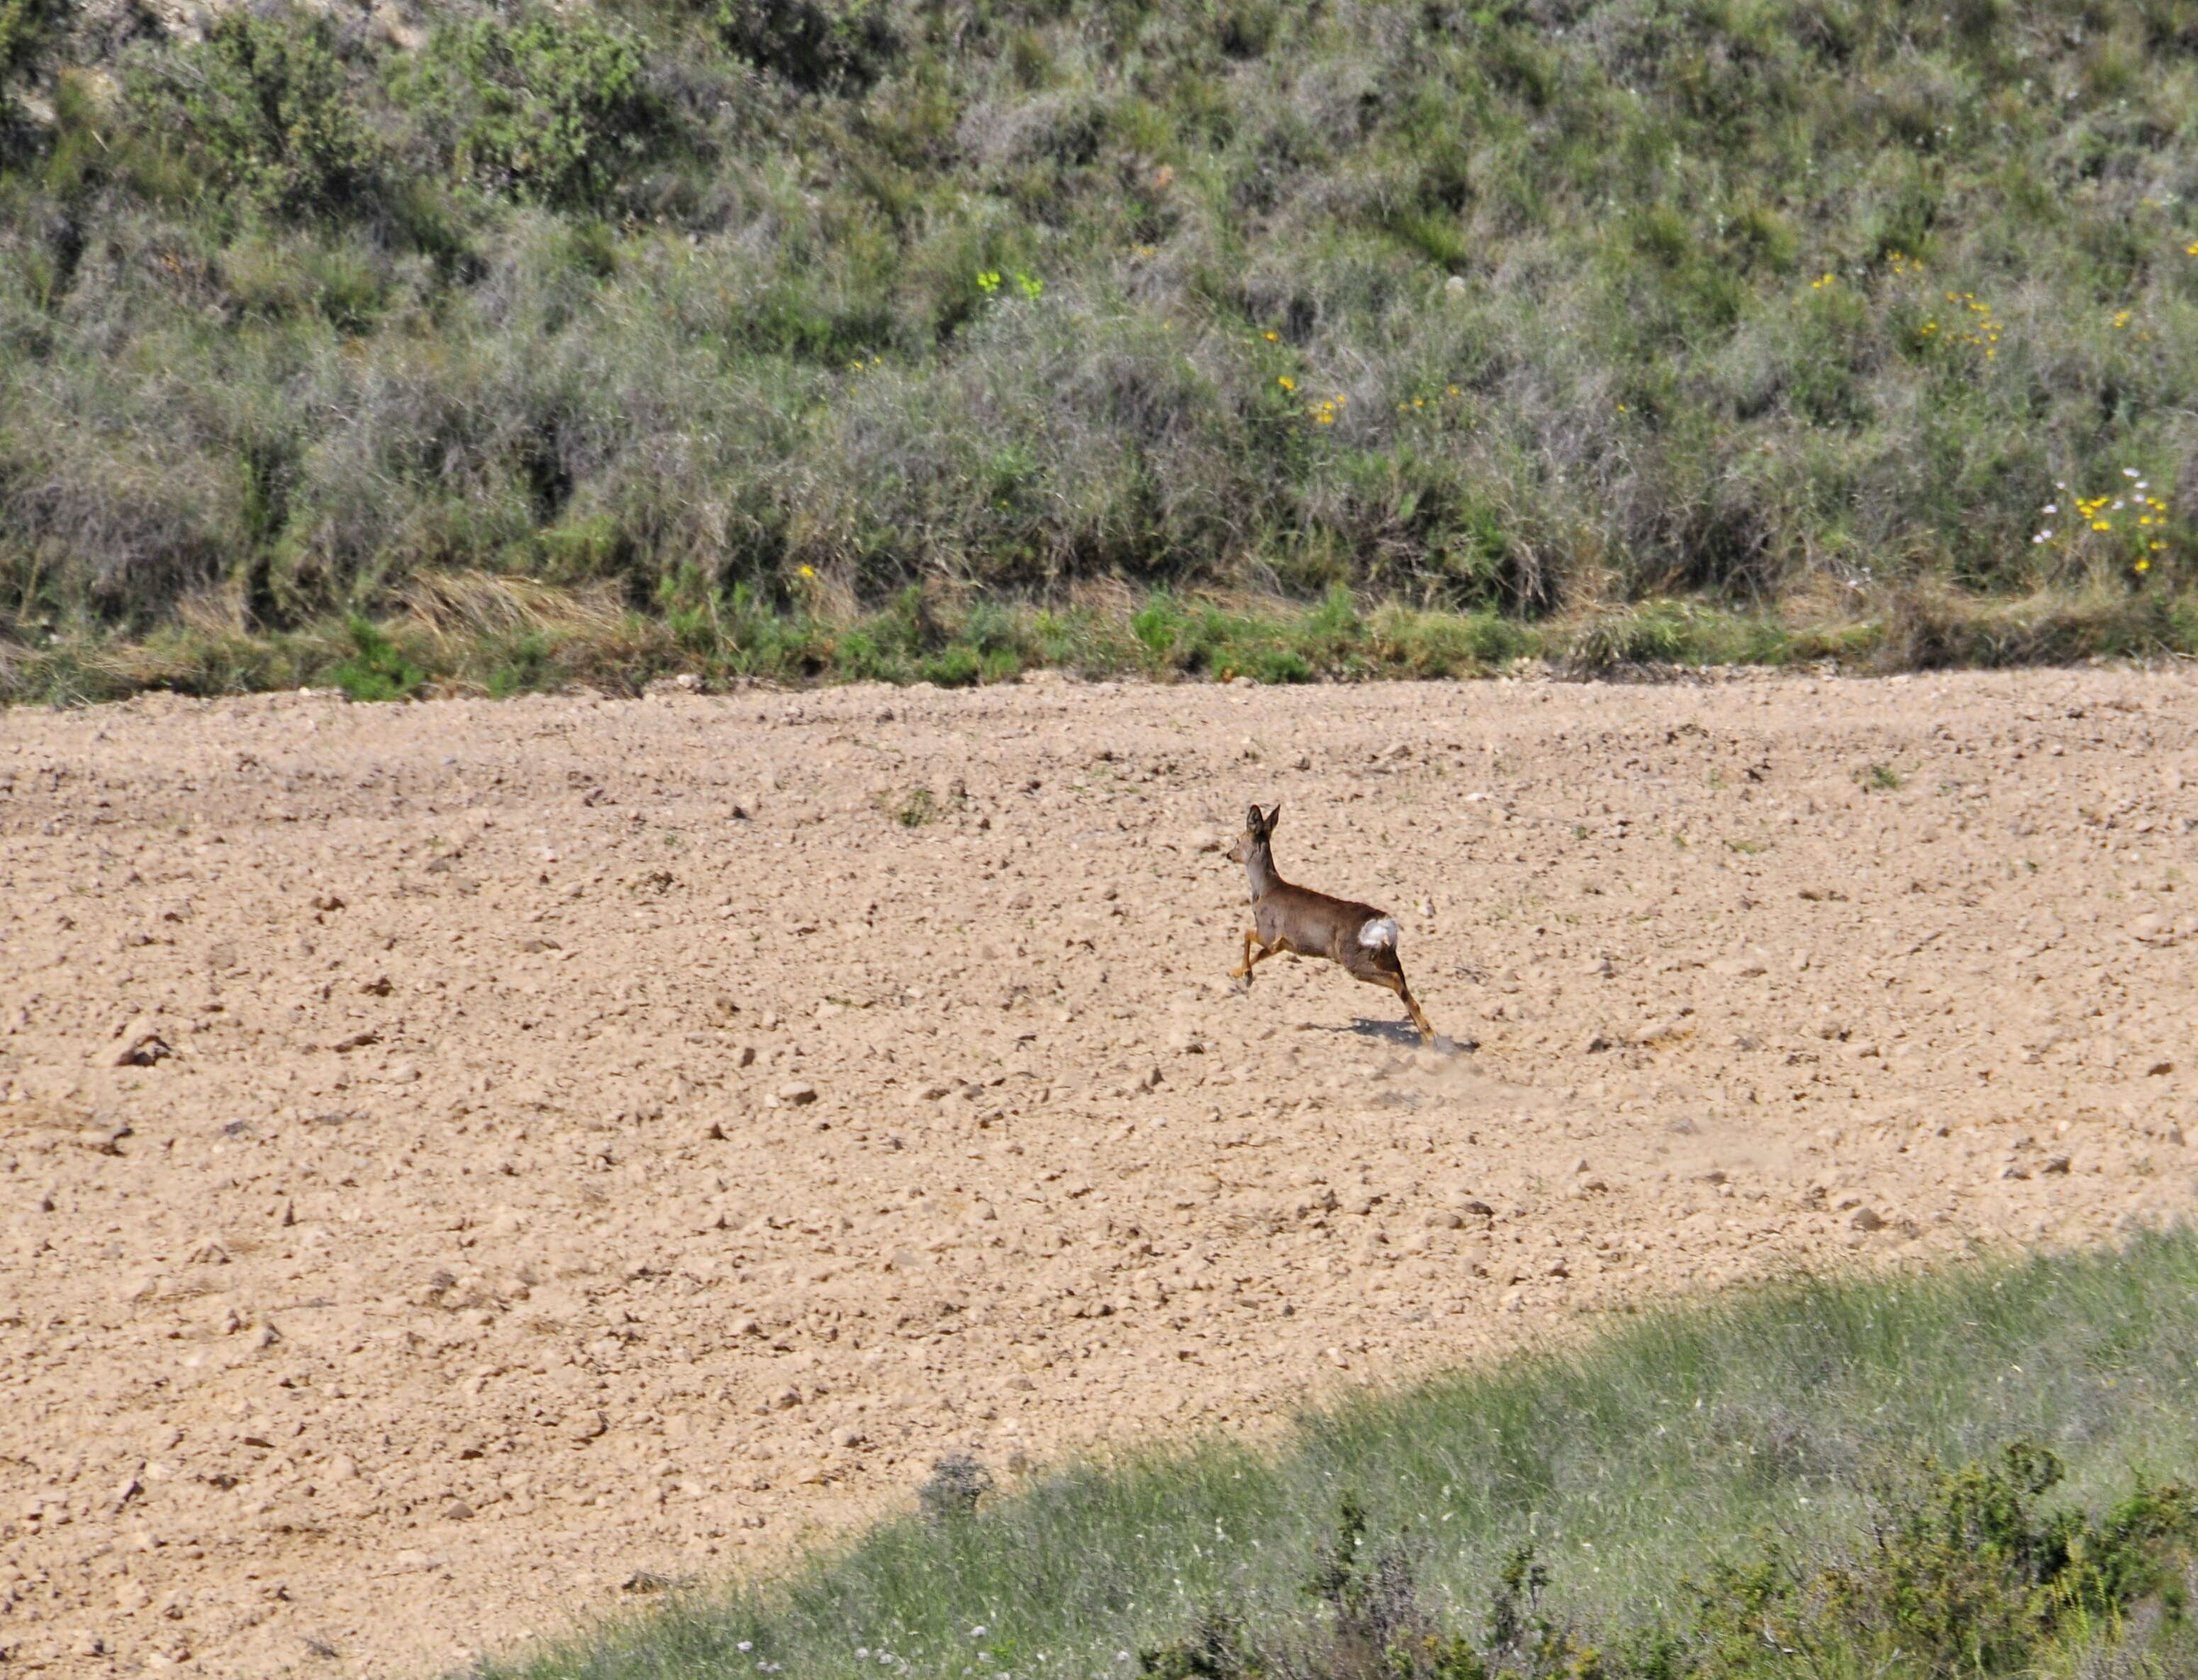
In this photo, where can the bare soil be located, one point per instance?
(458, 1161)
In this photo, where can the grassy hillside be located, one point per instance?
(1812, 1481)
(739, 314)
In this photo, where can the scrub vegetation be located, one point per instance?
(940, 338)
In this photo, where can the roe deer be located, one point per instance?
(1305, 923)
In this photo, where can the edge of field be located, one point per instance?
(494, 634)
(1564, 1505)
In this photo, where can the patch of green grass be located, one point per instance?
(377, 669)
(503, 634)
(1663, 1475)
(914, 808)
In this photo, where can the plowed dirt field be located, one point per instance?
(456, 1159)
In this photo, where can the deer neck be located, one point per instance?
(1260, 865)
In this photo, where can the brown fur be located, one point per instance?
(1306, 923)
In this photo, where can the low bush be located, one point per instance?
(264, 108)
(1962, 1572)
(545, 109)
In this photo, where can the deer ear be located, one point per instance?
(1274, 817)
(1253, 821)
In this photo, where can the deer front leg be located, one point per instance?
(1242, 971)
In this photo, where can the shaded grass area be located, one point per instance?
(474, 633)
(1779, 1436)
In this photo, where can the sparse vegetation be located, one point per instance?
(1981, 1474)
(835, 338)
(914, 808)
(376, 669)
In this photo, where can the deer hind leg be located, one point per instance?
(1412, 1005)
(1390, 974)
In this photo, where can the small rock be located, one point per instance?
(796, 1095)
(143, 1050)
(1480, 1209)
(2056, 1165)
(458, 1511)
(1867, 1219)
(1202, 840)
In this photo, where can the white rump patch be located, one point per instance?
(1379, 932)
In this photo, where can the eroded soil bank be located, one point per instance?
(456, 1159)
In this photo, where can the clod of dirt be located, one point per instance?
(143, 1050)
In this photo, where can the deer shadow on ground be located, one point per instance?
(1402, 1034)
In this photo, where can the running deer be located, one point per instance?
(1306, 923)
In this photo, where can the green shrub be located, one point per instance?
(377, 669)
(554, 110)
(1963, 1574)
(28, 31)
(815, 44)
(268, 107)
